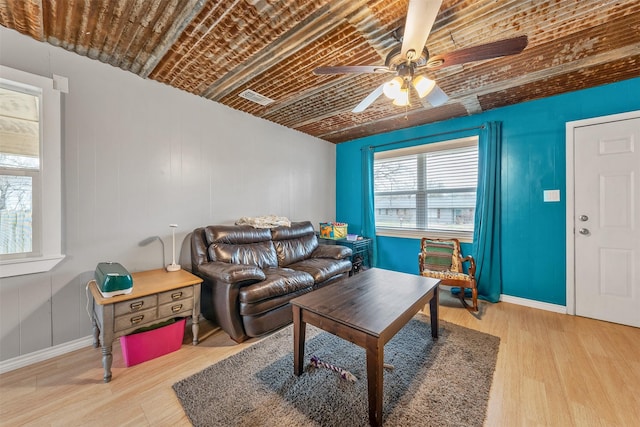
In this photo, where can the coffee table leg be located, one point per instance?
(375, 362)
(433, 311)
(299, 329)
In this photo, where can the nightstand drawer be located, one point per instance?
(176, 308)
(135, 319)
(175, 295)
(135, 305)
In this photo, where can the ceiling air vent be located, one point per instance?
(255, 97)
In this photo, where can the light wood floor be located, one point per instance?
(552, 370)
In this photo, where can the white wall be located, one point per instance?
(137, 156)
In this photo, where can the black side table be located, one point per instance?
(361, 257)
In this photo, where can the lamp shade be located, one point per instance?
(391, 89)
(423, 85)
(403, 98)
(437, 96)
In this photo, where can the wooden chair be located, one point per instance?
(442, 259)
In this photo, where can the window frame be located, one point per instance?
(48, 197)
(463, 236)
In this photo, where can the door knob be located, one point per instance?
(583, 218)
(584, 231)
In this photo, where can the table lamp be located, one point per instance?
(173, 266)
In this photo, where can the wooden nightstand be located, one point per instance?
(157, 296)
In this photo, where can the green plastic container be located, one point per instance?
(113, 279)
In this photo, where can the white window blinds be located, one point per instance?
(431, 187)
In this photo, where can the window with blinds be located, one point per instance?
(30, 172)
(431, 188)
(19, 167)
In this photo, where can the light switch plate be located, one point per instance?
(551, 195)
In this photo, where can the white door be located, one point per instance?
(607, 221)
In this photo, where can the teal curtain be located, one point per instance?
(486, 243)
(368, 213)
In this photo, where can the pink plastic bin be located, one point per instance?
(143, 346)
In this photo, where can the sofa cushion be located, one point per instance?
(332, 251)
(296, 230)
(261, 254)
(322, 269)
(236, 234)
(256, 308)
(278, 282)
(294, 243)
(231, 273)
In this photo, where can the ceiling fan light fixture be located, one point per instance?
(392, 88)
(437, 97)
(423, 85)
(403, 98)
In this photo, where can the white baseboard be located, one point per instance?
(44, 354)
(534, 304)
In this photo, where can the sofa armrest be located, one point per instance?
(332, 251)
(230, 273)
(220, 292)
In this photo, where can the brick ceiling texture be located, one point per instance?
(219, 49)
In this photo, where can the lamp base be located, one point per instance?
(173, 267)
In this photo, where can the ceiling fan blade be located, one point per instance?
(352, 69)
(436, 97)
(478, 53)
(368, 100)
(421, 15)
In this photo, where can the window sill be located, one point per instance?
(462, 236)
(19, 267)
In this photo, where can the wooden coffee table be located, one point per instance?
(367, 309)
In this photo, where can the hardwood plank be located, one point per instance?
(552, 370)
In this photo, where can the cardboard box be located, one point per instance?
(142, 346)
(333, 230)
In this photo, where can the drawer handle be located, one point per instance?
(176, 295)
(136, 305)
(137, 319)
(176, 308)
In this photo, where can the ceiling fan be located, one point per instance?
(412, 57)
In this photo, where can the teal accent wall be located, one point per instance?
(533, 160)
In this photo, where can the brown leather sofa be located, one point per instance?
(251, 274)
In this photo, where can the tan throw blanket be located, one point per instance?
(268, 221)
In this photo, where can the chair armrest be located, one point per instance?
(332, 251)
(472, 265)
(217, 271)
(421, 261)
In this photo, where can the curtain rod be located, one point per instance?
(424, 136)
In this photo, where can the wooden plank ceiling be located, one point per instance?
(218, 49)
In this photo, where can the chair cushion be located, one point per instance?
(438, 255)
(442, 275)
